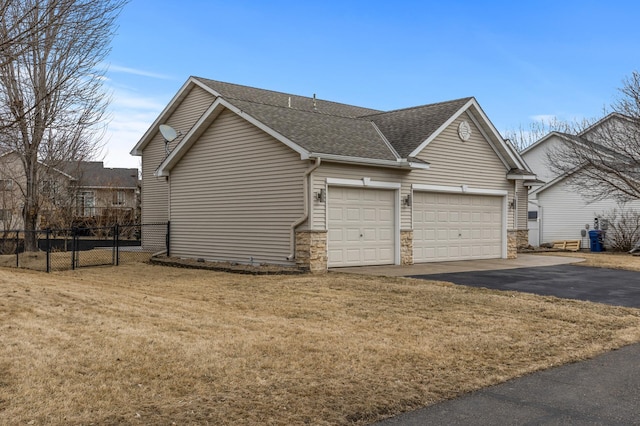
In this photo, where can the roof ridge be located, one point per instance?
(468, 98)
(363, 118)
(310, 98)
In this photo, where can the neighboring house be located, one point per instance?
(73, 193)
(556, 211)
(104, 196)
(265, 177)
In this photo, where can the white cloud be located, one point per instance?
(127, 70)
(131, 116)
(544, 118)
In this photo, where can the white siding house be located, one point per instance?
(556, 211)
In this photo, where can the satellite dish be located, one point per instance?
(168, 133)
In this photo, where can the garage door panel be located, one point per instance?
(367, 224)
(462, 226)
(370, 235)
(353, 214)
(386, 235)
(353, 234)
(385, 215)
(335, 214)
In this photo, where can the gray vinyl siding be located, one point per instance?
(235, 194)
(454, 163)
(154, 192)
(523, 205)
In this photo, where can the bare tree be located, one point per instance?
(523, 137)
(52, 102)
(603, 161)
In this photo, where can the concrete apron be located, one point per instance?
(523, 261)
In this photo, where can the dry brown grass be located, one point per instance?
(614, 260)
(141, 344)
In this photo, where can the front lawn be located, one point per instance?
(606, 259)
(142, 344)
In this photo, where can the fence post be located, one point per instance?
(116, 243)
(48, 250)
(17, 249)
(74, 243)
(168, 237)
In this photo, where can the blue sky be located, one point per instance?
(523, 61)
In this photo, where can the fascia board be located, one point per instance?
(304, 154)
(166, 112)
(521, 177)
(486, 137)
(440, 129)
(549, 184)
(603, 120)
(205, 121)
(512, 153)
(539, 142)
(513, 156)
(200, 84)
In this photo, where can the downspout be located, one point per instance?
(515, 205)
(305, 215)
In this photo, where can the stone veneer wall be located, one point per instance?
(406, 247)
(522, 238)
(311, 250)
(512, 244)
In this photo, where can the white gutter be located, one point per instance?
(305, 215)
(399, 163)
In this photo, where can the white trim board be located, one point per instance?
(364, 182)
(462, 189)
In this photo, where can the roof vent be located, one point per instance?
(314, 103)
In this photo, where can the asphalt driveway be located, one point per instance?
(602, 391)
(610, 286)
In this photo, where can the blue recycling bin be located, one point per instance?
(595, 240)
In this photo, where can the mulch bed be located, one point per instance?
(237, 268)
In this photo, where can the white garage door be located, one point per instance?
(456, 227)
(361, 227)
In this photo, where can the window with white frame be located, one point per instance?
(119, 198)
(86, 203)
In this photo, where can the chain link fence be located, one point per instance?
(61, 249)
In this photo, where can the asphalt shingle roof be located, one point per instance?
(235, 91)
(94, 174)
(322, 133)
(407, 128)
(326, 127)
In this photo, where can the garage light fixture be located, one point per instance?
(321, 195)
(406, 200)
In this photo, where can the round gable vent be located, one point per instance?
(464, 131)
